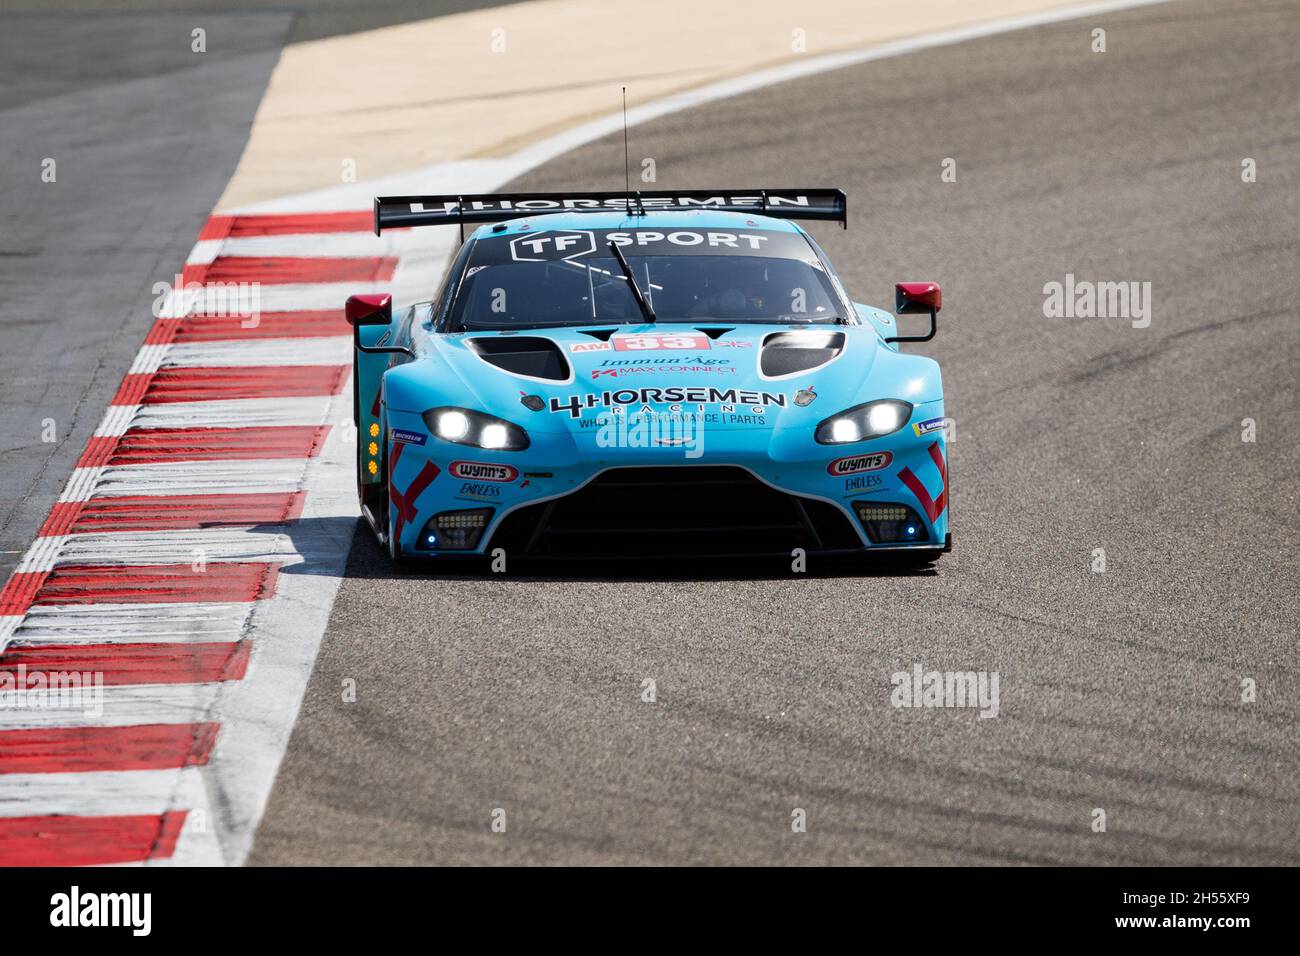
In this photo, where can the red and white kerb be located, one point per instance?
(170, 542)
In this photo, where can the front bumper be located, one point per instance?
(744, 492)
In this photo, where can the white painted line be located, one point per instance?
(331, 350)
(82, 482)
(9, 624)
(203, 477)
(148, 359)
(123, 706)
(235, 413)
(331, 245)
(102, 793)
(204, 251)
(42, 555)
(132, 623)
(116, 421)
(336, 245)
(188, 546)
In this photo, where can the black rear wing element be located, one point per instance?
(395, 212)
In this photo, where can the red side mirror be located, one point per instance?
(917, 297)
(374, 309)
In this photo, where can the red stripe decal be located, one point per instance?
(937, 457)
(260, 381)
(142, 446)
(404, 502)
(310, 323)
(282, 270)
(174, 512)
(158, 583)
(933, 506)
(88, 841)
(121, 664)
(89, 749)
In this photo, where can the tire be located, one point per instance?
(390, 539)
(394, 551)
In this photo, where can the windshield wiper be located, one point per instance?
(642, 302)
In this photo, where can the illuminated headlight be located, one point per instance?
(451, 425)
(872, 420)
(455, 530)
(465, 427)
(890, 523)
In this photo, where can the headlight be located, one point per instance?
(465, 427)
(861, 422)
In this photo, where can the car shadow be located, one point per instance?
(318, 540)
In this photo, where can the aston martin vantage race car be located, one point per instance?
(645, 374)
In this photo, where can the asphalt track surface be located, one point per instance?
(144, 134)
(1119, 690)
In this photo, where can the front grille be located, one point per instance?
(683, 511)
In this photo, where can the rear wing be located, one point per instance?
(395, 212)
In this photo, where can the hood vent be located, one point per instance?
(785, 353)
(523, 355)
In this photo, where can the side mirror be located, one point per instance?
(369, 309)
(375, 309)
(917, 297)
(914, 297)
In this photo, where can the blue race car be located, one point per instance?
(645, 374)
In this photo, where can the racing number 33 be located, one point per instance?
(635, 343)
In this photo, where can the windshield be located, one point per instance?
(570, 277)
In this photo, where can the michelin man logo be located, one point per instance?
(561, 244)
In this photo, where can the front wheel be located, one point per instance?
(394, 547)
(390, 539)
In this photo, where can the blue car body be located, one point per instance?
(667, 437)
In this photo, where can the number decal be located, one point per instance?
(649, 342)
